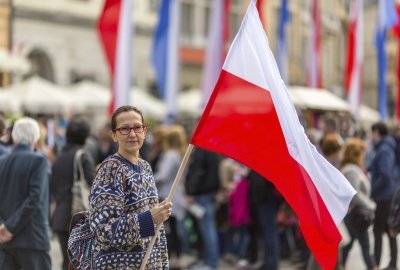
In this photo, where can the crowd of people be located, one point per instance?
(221, 209)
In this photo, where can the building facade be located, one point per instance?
(60, 39)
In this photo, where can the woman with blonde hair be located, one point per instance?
(174, 144)
(352, 167)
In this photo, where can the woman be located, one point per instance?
(124, 208)
(352, 168)
(173, 144)
(63, 178)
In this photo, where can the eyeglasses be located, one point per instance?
(126, 130)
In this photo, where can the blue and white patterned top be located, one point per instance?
(120, 217)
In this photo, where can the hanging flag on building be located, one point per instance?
(115, 28)
(166, 54)
(216, 44)
(353, 75)
(387, 18)
(314, 76)
(282, 58)
(396, 30)
(251, 119)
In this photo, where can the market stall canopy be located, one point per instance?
(317, 99)
(89, 95)
(36, 95)
(149, 105)
(189, 102)
(368, 114)
(13, 63)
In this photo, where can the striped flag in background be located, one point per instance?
(217, 40)
(387, 18)
(115, 27)
(314, 75)
(353, 75)
(166, 54)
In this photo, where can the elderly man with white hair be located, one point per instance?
(24, 197)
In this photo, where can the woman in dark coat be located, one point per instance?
(63, 177)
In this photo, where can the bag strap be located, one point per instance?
(78, 167)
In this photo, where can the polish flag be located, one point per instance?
(354, 56)
(115, 29)
(250, 118)
(315, 62)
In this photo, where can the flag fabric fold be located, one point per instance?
(115, 28)
(387, 18)
(250, 118)
(353, 75)
(165, 54)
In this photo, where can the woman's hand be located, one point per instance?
(161, 212)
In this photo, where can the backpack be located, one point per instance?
(81, 239)
(80, 242)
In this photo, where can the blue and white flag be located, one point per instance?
(387, 18)
(166, 54)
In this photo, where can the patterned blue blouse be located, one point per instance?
(120, 217)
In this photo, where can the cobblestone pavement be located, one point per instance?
(355, 261)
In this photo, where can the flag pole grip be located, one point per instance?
(169, 198)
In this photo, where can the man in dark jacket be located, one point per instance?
(63, 177)
(382, 171)
(264, 202)
(24, 202)
(202, 185)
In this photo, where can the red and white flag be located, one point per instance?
(315, 59)
(251, 119)
(115, 28)
(353, 74)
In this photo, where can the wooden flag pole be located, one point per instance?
(169, 198)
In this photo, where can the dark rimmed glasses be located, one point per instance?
(126, 130)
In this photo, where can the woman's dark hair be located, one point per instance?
(122, 109)
(77, 131)
(381, 128)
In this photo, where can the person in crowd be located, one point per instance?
(202, 185)
(101, 146)
(265, 202)
(158, 137)
(382, 170)
(24, 202)
(124, 206)
(352, 167)
(3, 147)
(63, 178)
(331, 149)
(174, 145)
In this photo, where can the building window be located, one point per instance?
(154, 5)
(187, 21)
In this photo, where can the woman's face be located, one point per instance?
(132, 142)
